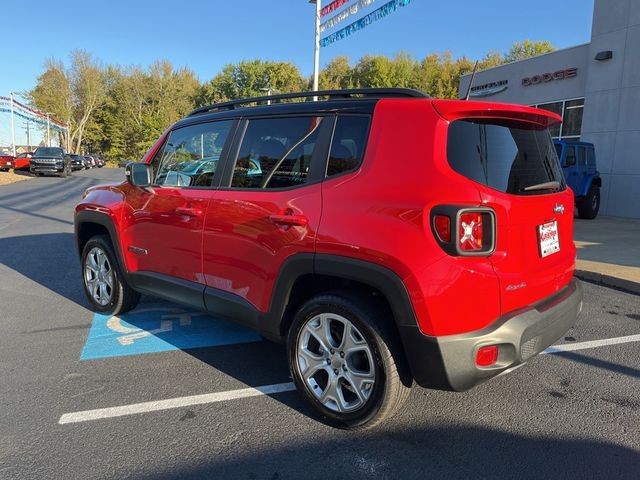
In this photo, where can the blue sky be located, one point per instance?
(207, 34)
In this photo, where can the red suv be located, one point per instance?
(384, 236)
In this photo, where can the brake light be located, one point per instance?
(487, 356)
(464, 231)
(470, 232)
(442, 224)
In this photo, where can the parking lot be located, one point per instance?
(163, 392)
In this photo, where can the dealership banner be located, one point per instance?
(28, 113)
(332, 7)
(343, 15)
(378, 14)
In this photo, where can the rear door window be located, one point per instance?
(276, 153)
(507, 156)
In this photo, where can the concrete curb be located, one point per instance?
(609, 281)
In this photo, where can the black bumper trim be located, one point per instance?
(448, 363)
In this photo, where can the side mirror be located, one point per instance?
(570, 160)
(138, 174)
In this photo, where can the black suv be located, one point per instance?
(51, 161)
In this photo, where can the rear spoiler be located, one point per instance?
(455, 109)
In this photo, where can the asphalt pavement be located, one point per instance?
(165, 393)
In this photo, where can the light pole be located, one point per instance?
(13, 127)
(268, 91)
(316, 59)
(48, 131)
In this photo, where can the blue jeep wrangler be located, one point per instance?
(578, 160)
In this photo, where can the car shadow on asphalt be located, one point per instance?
(50, 260)
(451, 452)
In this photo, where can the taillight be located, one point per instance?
(487, 356)
(442, 224)
(470, 232)
(464, 231)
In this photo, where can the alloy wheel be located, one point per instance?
(98, 276)
(336, 362)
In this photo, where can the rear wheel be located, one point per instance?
(104, 282)
(589, 206)
(346, 361)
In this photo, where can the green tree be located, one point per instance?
(336, 75)
(250, 79)
(527, 49)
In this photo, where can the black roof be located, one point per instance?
(350, 101)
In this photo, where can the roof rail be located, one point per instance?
(332, 94)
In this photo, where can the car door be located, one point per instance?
(582, 175)
(163, 224)
(570, 168)
(268, 207)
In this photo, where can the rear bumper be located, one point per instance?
(448, 362)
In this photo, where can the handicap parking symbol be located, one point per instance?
(152, 328)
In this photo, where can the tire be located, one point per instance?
(114, 300)
(336, 402)
(589, 206)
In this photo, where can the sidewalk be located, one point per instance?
(609, 251)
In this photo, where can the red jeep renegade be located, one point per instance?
(384, 236)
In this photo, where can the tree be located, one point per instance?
(336, 75)
(72, 94)
(250, 79)
(527, 49)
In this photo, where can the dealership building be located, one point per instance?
(595, 87)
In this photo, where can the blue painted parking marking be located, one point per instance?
(158, 327)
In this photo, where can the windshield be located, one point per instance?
(48, 152)
(512, 157)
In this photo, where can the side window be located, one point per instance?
(190, 155)
(276, 153)
(570, 156)
(590, 157)
(581, 156)
(348, 144)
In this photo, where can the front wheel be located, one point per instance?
(346, 361)
(104, 284)
(589, 206)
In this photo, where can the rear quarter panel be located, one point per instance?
(381, 214)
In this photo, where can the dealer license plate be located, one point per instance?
(548, 238)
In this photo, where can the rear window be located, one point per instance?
(507, 156)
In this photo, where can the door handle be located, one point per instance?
(299, 220)
(189, 211)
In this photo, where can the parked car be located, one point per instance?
(6, 162)
(385, 237)
(22, 161)
(50, 160)
(77, 162)
(99, 161)
(578, 160)
(89, 162)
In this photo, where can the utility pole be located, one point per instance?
(13, 127)
(316, 59)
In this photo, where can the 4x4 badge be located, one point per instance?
(559, 208)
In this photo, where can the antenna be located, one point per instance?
(473, 76)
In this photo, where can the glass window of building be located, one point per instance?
(571, 112)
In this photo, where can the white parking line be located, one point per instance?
(154, 406)
(569, 347)
(179, 402)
